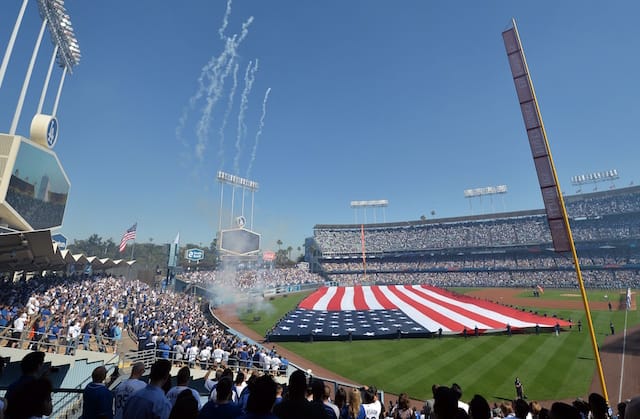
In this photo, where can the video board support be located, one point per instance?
(547, 176)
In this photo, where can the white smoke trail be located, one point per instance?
(227, 112)
(249, 77)
(217, 71)
(259, 133)
(225, 20)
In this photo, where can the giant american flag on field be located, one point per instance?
(387, 311)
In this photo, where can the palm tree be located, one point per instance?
(279, 243)
(289, 249)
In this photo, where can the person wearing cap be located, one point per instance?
(126, 388)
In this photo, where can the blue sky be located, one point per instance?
(409, 101)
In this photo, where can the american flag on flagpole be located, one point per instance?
(130, 234)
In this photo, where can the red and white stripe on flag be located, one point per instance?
(130, 234)
(429, 306)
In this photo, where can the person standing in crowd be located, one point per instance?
(97, 400)
(372, 406)
(479, 408)
(35, 401)
(185, 406)
(222, 407)
(354, 404)
(402, 410)
(150, 402)
(31, 366)
(295, 404)
(127, 388)
(261, 399)
(182, 380)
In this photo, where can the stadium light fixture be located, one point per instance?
(378, 203)
(62, 34)
(375, 204)
(488, 190)
(595, 177)
(234, 180)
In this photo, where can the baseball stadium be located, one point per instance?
(525, 313)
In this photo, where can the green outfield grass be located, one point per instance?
(574, 295)
(550, 367)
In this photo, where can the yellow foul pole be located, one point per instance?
(565, 217)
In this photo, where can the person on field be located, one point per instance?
(519, 389)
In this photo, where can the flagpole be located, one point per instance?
(624, 345)
(624, 341)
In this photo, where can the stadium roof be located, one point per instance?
(35, 251)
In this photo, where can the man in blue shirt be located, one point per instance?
(97, 400)
(150, 402)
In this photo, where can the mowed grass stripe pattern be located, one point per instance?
(551, 367)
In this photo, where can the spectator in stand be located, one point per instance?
(127, 388)
(261, 399)
(402, 410)
(354, 404)
(632, 409)
(185, 407)
(182, 380)
(479, 408)
(222, 407)
(371, 404)
(295, 404)
(560, 410)
(521, 409)
(151, 401)
(598, 406)
(31, 367)
(97, 400)
(445, 403)
(35, 401)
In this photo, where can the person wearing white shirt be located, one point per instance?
(182, 380)
(127, 388)
(218, 354)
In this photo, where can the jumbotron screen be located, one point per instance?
(239, 241)
(38, 188)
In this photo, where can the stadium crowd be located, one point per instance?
(253, 279)
(529, 230)
(260, 395)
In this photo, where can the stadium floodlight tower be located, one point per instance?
(33, 184)
(236, 241)
(595, 177)
(379, 203)
(66, 49)
(480, 192)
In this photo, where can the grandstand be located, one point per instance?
(504, 249)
